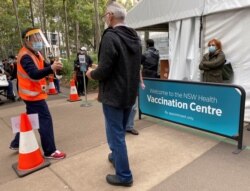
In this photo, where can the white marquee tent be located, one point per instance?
(227, 20)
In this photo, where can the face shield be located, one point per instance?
(36, 35)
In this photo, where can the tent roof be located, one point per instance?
(213, 6)
(150, 14)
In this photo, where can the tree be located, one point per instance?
(97, 25)
(17, 19)
(31, 14)
(66, 28)
(44, 18)
(77, 21)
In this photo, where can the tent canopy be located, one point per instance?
(227, 20)
(154, 14)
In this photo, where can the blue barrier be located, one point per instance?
(214, 108)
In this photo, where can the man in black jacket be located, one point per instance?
(118, 75)
(150, 60)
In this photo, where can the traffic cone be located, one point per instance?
(30, 158)
(52, 89)
(73, 92)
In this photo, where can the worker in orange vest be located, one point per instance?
(31, 73)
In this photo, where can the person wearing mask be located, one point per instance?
(31, 73)
(212, 62)
(150, 60)
(82, 63)
(118, 74)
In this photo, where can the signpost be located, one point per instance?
(83, 68)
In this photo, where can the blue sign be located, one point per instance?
(83, 68)
(82, 61)
(214, 108)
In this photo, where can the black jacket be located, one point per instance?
(77, 64)
(119, 67)
(150, 61)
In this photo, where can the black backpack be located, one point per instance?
(227, 71)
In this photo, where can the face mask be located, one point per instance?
(212, 49)
(37, 46)
(105, 25)
(108, 24)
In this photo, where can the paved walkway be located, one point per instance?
(164, 156)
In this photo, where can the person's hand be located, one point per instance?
(94, 66)
(88, 73)
(57, 65)
(142, 85)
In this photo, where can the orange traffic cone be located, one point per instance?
(52, 89)
(30, 158)
(73, 92)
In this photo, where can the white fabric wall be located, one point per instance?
(233, 29)
(213, 6)
(184, 52)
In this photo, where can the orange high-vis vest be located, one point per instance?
(30, 89)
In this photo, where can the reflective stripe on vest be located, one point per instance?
(26, 76)
(28, 92)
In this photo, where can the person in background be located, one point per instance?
(82, 63)
(212, 62)
(56, 80)
(13, 60)
(130, 127)
(118, 74)
(150, 60)
(13, 66)
(7, 69)
(31, 73)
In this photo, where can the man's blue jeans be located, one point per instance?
(115, 122)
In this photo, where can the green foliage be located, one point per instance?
(78, 11)
(94, 55)
(68, 69)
